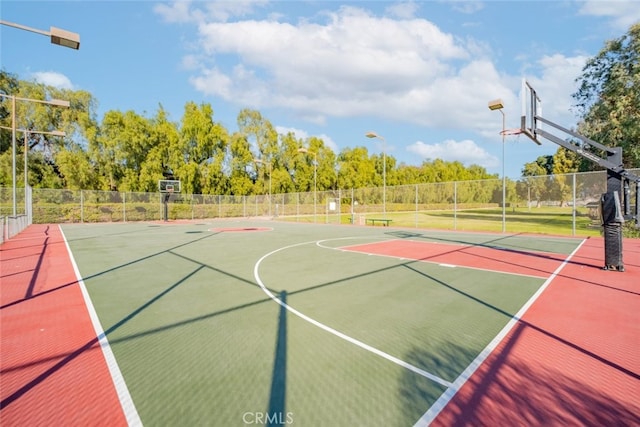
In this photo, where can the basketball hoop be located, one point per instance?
(514, 131)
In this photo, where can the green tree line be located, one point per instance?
(126, 151)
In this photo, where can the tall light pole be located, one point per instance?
(26, 134)
(384, 171)
(56, 102)
(315, 173)
(497, 104)
(262, 162)
(58, 36)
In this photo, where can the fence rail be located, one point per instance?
(578, 193)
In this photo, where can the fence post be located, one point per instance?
(455, 205)
(416, 210)
(124, 207)
(82, 206)
(573, 230)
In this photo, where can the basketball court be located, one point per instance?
(237, 322)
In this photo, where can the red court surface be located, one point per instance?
(52, 371)
(573, 359)
(539, 264)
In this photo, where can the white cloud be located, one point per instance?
(350, 63)
(52, 78)
(298, 133)
(467, 6)
(623, 13)
(221, 11)
(556, 85)
(179, 11)
(304, 135)
(467, 152)
(403, 10)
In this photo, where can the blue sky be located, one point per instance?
(418, 73)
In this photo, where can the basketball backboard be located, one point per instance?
(169, 186)
(531, 110)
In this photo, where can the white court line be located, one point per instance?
(448, 394)
(128, 407)
(346, 249)
(339, 334)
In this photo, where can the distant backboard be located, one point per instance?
(531, 110)
(169, 186)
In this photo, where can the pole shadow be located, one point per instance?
(277, 398)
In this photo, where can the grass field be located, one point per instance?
(216, 327)
(543, 220)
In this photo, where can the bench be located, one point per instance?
(385, 222)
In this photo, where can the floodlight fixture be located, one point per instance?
(58, 36)
(496, 104)
(64, 38)
(372, 135)
(59, 102)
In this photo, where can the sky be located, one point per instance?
(419, 74)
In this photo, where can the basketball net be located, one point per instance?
(514, 131)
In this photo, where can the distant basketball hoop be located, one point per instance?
(167, 187)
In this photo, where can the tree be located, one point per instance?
(564, 162)
(121, 148)
(356, 168)
(78, 122)
(608, 98)
(76, 169)
(164, 155)
(534, 181)
(9, 84)
(259, 132)
(241, 181)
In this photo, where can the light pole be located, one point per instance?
(497, 104)
(26, 133)
(57, 102)
(262, 162)
(58, 36)
(384, 171)
(315, 174)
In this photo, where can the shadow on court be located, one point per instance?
(516, 390)
(278, 394)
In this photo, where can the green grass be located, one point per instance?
(544, 220)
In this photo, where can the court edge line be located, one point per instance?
(126, 402)
(435, 409)
(335, 332)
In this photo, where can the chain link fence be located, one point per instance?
(420, 205)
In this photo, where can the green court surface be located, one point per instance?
(275, 320)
